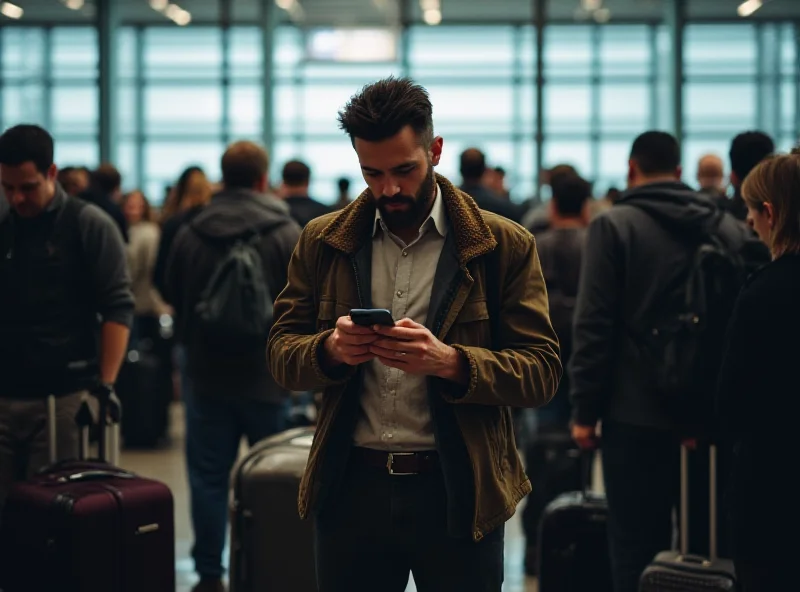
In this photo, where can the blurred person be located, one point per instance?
(294, 191)
(344, 199)
(760, 367)
(142, 250)
(187, 199)
(104, 191)
(638, 257)
(65, 304)
(560, 252)
(74, 180)
(232, 393)
(537, 218)
(495, 180)
(711, 176)
(747, 150)
(613, 195)
(414, 466)
(473, 169)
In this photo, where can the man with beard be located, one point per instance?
(414, 466)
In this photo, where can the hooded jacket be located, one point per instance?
(636, 253)
(198, 249)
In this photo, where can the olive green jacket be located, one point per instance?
(513, 352)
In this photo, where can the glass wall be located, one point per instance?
(185, 92)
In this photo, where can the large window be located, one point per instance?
(738, 77)
(307, 98)
(49, 77)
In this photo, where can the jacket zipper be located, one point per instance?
(358, 280)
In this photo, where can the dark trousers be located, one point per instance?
(379, 527)
(641, 468)
(764, 576)
(214, 429)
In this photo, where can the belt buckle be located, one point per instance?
(390, 462)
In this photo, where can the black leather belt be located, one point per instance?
(397, 463)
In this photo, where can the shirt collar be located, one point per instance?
(437, 217)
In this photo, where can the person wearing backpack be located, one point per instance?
(659, 278)
(224, 271)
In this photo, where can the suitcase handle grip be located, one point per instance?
(97, 474)
(694, 559)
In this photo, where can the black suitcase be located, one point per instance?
(271, 548)
(678, 571)
(572, 541)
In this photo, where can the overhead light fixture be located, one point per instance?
(178, 15)
(159, 5)
(432, 17)
(749, 7)
(591, 5)
(74, 4)
(10, 10)
(285, 4)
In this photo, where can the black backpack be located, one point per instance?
(681, 343)
(235, 312)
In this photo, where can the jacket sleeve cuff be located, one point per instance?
(585, 415)
(457, 393)
(330, 377)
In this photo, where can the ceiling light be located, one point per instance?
(285, 4)
(74, 4)
(432, 17)
(160, 5)
(178, 15)
(749, 7)
(10, 10)
(591, 4)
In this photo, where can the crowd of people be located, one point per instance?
(584, 308)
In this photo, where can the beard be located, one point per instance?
(401, 212)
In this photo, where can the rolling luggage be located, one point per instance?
(88, 526)
(678, 571)
(572, 542)
(271, 548)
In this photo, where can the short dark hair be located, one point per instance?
(473, 164)
(500, 171)
(106, 178)
(385, 107)
(656, 152)
(747, 150)
(296, 173)
(243, 165)
(343, 184)
(570, 193)
(27, 143)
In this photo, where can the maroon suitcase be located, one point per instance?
(82, 526)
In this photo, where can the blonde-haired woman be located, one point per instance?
(759, 389)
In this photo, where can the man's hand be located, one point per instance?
(349, 343)
(585, 436)
(412, 348)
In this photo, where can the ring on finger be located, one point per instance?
(401, 354)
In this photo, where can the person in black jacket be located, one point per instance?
(757, 396)
(747, 150)
(232, 394)
(104, 191)
(637, 253)
(294, 191)
(473, 169)
(62, 265)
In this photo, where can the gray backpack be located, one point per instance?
(235, 309)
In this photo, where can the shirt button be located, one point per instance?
(405, 253)
(389, 436)
(399, 293)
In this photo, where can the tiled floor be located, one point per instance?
(167, 465)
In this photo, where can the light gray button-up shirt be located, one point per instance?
(395, 413)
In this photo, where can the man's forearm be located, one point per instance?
(113, 346)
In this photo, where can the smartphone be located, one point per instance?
(367, 317)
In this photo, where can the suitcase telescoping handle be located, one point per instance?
(108, 440)
(712, 501)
